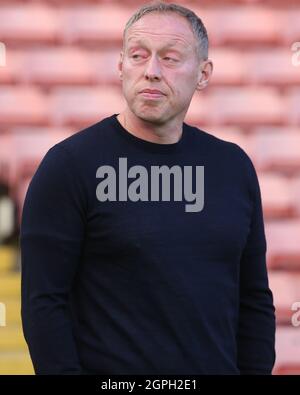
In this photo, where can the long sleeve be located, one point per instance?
(256, 332)
(52, 233)
(134, 268)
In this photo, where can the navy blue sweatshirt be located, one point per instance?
(121, 276)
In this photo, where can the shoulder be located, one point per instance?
(85, 140)
(231, 154)
(217, 145)
(74, 150)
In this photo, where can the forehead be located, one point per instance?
(161, 27)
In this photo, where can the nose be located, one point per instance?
(153, 71)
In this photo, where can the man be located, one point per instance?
(142, 238)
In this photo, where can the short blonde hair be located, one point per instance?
(195, 22)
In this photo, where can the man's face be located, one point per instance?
(159, 53)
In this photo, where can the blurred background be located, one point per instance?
(58, 74)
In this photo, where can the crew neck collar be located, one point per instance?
(148, 145)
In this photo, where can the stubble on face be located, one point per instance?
(177, 82)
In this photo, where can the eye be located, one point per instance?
(168, 59)
(137, 56)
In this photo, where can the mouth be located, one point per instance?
(152, 93)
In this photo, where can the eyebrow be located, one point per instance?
(141, 42)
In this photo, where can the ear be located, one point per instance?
(206, 69)
(120, 65)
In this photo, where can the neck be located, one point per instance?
(162, 134)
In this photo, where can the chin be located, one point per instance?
(150, 116)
